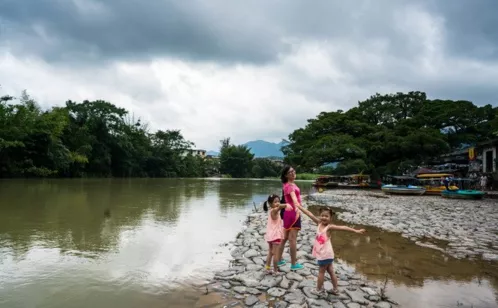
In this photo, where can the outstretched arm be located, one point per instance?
(309, 214)
(345, 228)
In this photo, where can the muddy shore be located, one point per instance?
(460, 228)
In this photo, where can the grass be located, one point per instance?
(307, 176)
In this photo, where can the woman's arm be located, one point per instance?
(309, 214)
(345, 228)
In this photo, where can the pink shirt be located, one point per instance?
(274, 229)
(322, 249)
(288, 188)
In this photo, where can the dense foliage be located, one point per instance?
(388, 133)
(92, 138)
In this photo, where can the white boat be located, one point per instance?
(403, 190)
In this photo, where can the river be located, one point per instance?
(144, 242)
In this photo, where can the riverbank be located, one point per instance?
(246, 283)
(460, 228)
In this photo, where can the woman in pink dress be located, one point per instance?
(291, 218)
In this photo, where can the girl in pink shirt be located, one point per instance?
(274, 231)
(322, 248)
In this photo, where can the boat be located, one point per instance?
(463, 194)
(356, 181)
(466, 190)
(326, 181)
(403, 190)
(432, 183)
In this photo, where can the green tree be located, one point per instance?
(235, 160)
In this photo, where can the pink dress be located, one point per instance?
(292, 219)
(322, 249)
(274, 230)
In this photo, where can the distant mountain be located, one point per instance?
(213, 153)
(261, 148)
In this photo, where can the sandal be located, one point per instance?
(335, 292)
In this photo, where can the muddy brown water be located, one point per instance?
(144, 242)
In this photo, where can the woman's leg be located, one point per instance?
(293, 245)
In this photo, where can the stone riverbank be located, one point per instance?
(461, 228)
(246, 284)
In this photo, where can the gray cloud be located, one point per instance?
(216, 30)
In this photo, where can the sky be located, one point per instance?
(245, 69)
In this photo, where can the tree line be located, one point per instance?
(99, 139)
(389, 133)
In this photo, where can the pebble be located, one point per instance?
(246, 279)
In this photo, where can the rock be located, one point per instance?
(353, 305)
(374, 298)
(382, 305)
(307, 283)
(295, 297)
(369, 291)
(317, 303)
(276, 292)
(251, 300)
(338, 305)
(251, 253)
(240, 289)
(253, 291)
(304, 272)
(307, 292)
(250, 279)
(357, 297)
(253, 267)
(285, 283)
(226, 273)
(226, 285)
(238, 252)
(294, 276)
(271, 281)
(280, 304)
(261, 305)
(343, 283)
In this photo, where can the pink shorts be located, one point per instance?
(275, 242)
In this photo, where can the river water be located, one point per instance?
(144, 242)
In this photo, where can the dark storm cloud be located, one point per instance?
(472, 27)
(216, 30)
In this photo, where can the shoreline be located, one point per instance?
(463, 229)
(245, 282)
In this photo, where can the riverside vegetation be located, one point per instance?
(385, 134)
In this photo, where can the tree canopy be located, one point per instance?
(387, 132)
(91, 138)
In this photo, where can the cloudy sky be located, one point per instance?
(245, 69)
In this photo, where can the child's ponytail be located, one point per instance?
(265, 206)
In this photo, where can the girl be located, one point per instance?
(322, 248)
(274, 232)
(292, 219)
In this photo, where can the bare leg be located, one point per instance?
(275, 251)
(270, 255)
(333, 277)
(321, 277)
(282, 245)
(293, 245)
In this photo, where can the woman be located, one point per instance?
(292, 218)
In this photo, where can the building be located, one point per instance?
(488, 151)
(195, 152)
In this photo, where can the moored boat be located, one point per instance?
(432, 182)
(325, 182)
(463, 194)
(403, 190)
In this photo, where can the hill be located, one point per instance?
(261, 148)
